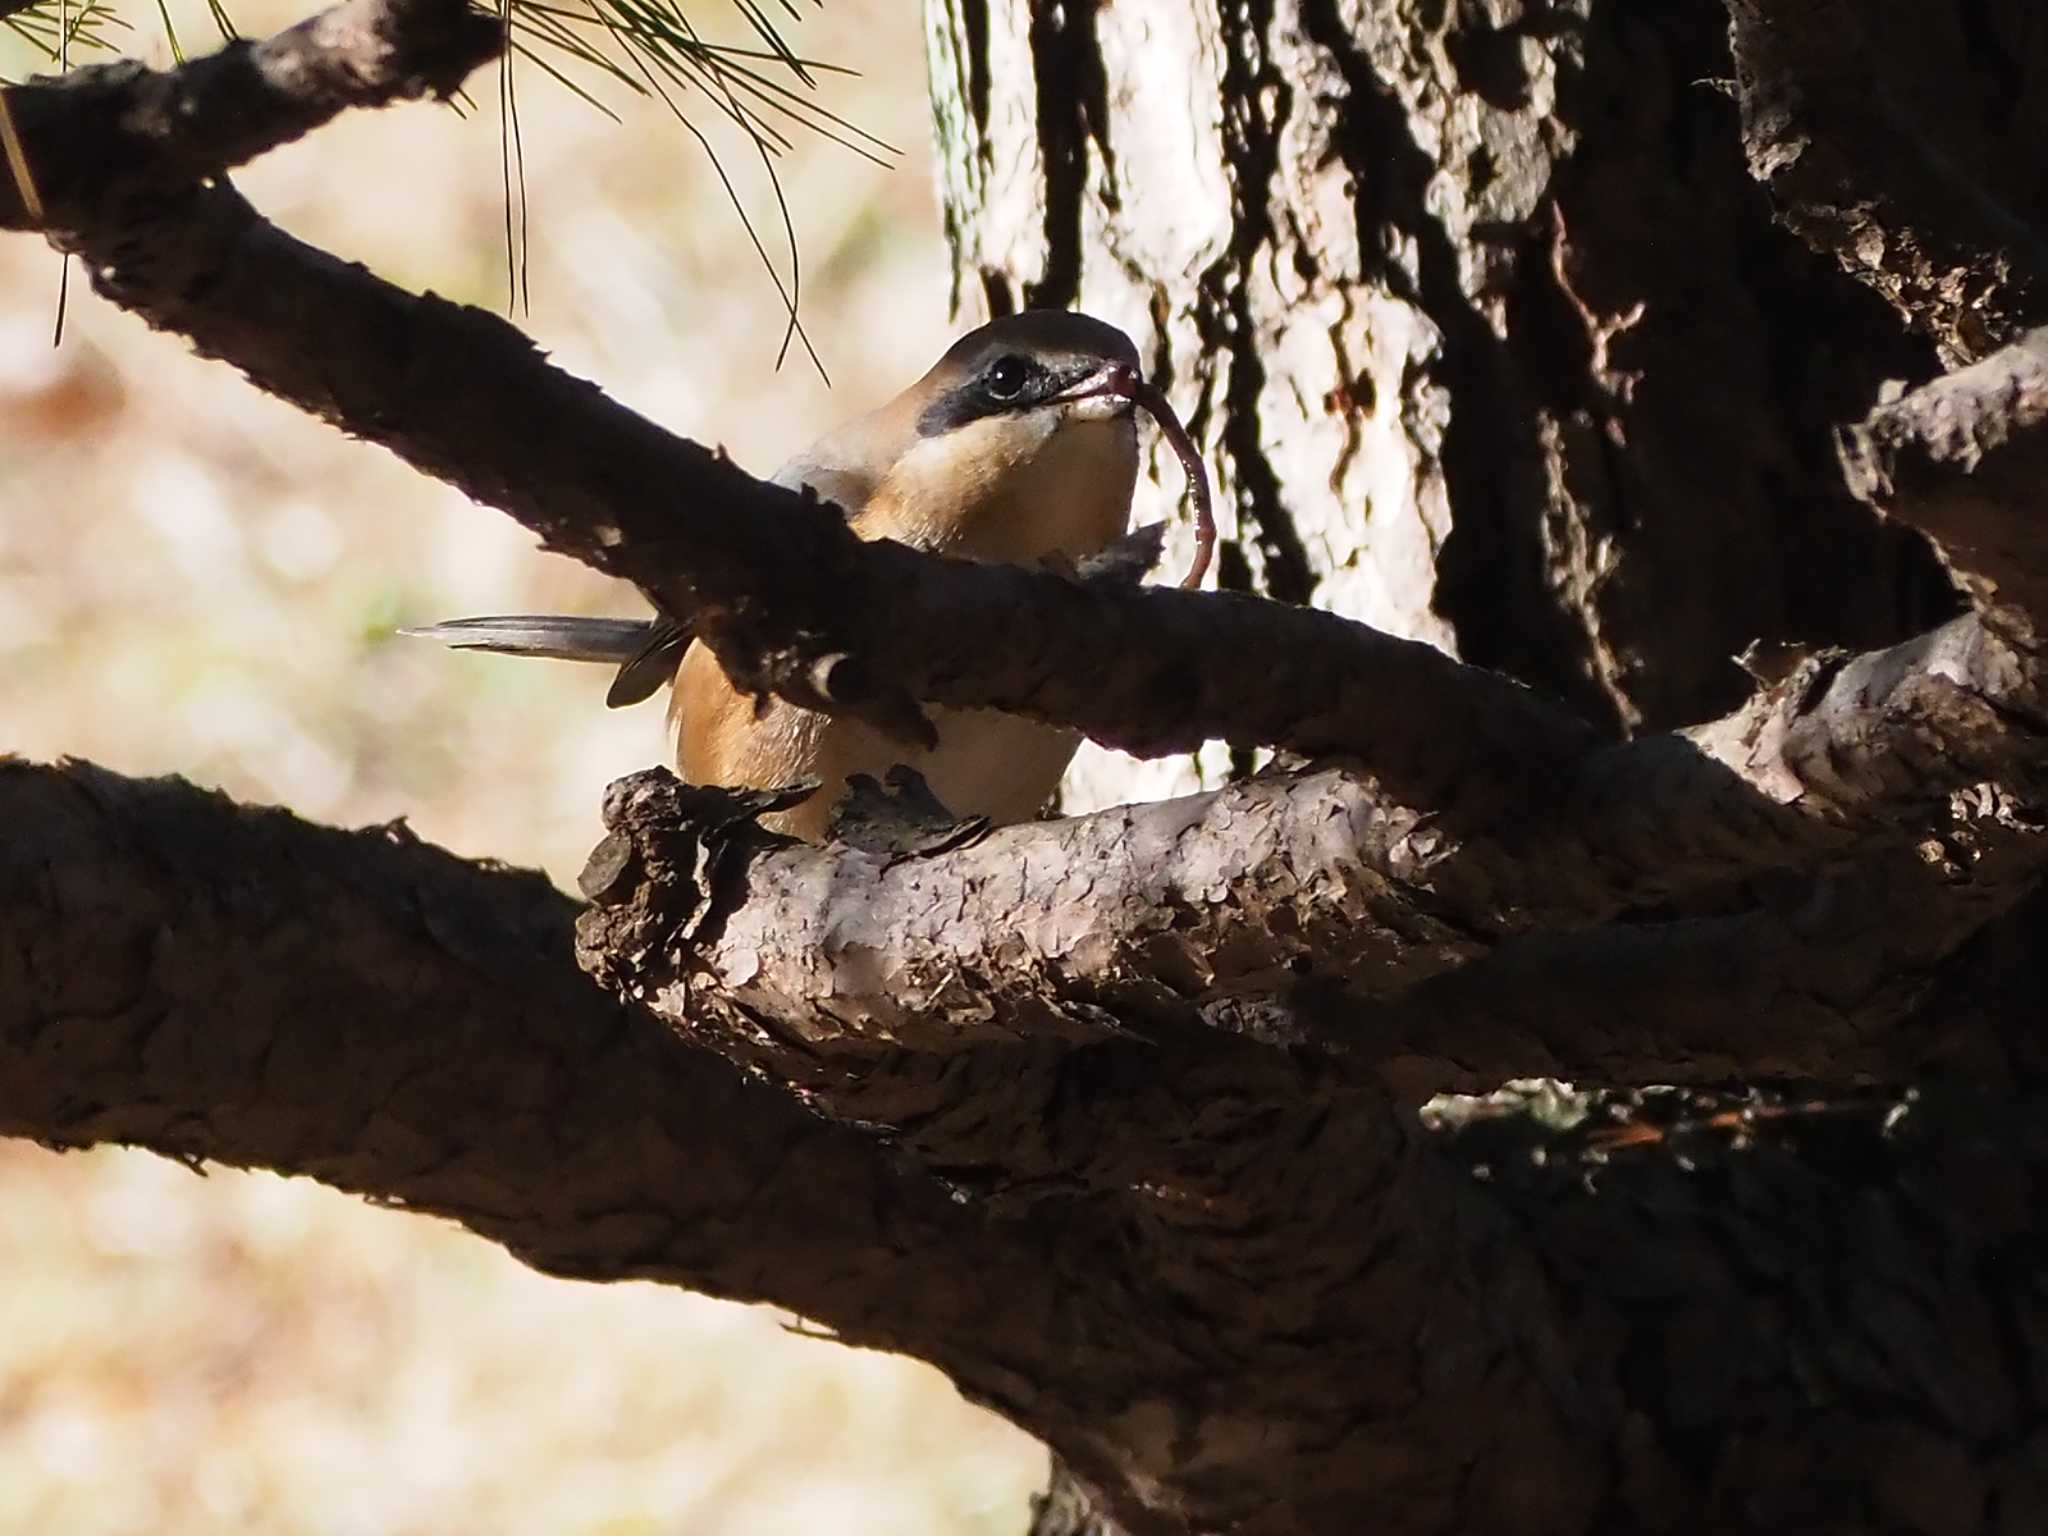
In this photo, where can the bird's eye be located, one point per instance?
(1006, 378)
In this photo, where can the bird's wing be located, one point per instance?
(642, 673)
(824, 468)
(661, 650)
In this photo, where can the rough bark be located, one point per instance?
(1902, 140)
(1495, 340)
(1286, 1305)
(1964, 460)
(221, 982)
(1497, 346)
(1485, 327)
(1258, 908)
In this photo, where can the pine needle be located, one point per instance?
(65, 30)
(653, 48)
(512, 163)
(761, 88)
(53, 27)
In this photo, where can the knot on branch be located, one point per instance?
(832, 682)
(653, 881)
(1125, 561)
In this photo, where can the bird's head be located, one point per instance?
(1018, 443)
(1025, 376)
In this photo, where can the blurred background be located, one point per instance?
(196, 579)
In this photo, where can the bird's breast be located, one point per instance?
(985, 764)
(1003, 492)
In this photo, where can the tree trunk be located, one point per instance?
(1487, 330)
(1493, 339)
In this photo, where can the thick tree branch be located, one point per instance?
(1832, 827)
(211, 981)
(180, 973)
(1274, 1281)
(810, 611)
(107, 133)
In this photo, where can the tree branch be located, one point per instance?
(802, 607)
(231, 984)
(1490, 812)
(107, 133)
(211, 981)
(1273, 1280)
(1833, 826)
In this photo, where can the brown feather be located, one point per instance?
(1007, 487)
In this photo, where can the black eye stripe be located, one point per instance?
(955, 408)
(973, 400)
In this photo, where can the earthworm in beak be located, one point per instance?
(1154, 402)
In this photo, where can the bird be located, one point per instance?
(1018, 446)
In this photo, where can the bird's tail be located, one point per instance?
(558, 636)
(646, 651)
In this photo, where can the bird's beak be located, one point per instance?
(1103, 395)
